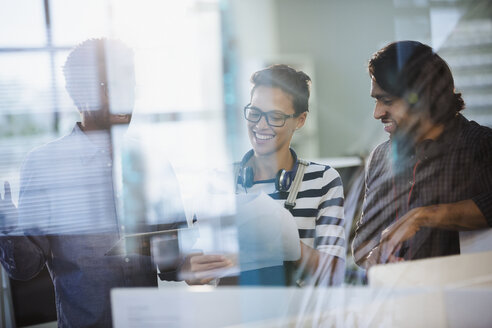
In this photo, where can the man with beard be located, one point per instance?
(433, 177)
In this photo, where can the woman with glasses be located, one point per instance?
(279, 107)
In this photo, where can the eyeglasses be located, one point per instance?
(273, 118)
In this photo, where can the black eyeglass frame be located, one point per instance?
(262, 113)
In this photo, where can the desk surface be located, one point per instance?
(292, 307)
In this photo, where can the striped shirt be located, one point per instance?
(319, 208)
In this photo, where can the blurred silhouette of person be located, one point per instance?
(433, 177)
(67, 215)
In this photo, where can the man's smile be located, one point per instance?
(389, 125)
(263, 136)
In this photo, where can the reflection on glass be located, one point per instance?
(181, 70)
(67, 216)
(82, 193)
(26, 102)
(70, 20)
(22, 23)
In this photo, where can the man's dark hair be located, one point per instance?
(413, 71)
(86, 70)
(295, 83)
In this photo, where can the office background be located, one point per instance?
(193, 61)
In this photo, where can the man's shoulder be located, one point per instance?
(380, 151)
(377, 161)
(473, 136)
(472, 131)
(383, 146)
(61, 147)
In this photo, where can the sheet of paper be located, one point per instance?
(267, 232)
(262, 234)
(476, 241)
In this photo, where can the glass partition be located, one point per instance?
(269, 144)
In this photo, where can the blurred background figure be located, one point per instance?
(67, 215)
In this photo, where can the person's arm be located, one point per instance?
(483, 179)
(363, 245)
(460, 216)
(365, 242)
(483, 203)
(22, 257)
(465, 215)
(200, 269)
(325, 268)
(325, 263)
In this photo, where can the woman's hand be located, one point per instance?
(201, 269)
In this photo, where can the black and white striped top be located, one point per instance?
(319, 208)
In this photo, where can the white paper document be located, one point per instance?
(476, 241)
(267, 232)
(261, 234)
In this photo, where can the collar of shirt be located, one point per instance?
(431, 149)
(87, 148)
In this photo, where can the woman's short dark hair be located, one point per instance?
(293, 82)
(413, 71)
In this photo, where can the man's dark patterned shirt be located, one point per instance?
(456, 166)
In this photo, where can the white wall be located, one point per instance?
(333, 40)
(340, 36)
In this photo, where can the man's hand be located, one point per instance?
(460, 216)
(8, 211)
(376, 256)
(405, 228)
(201, 269)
